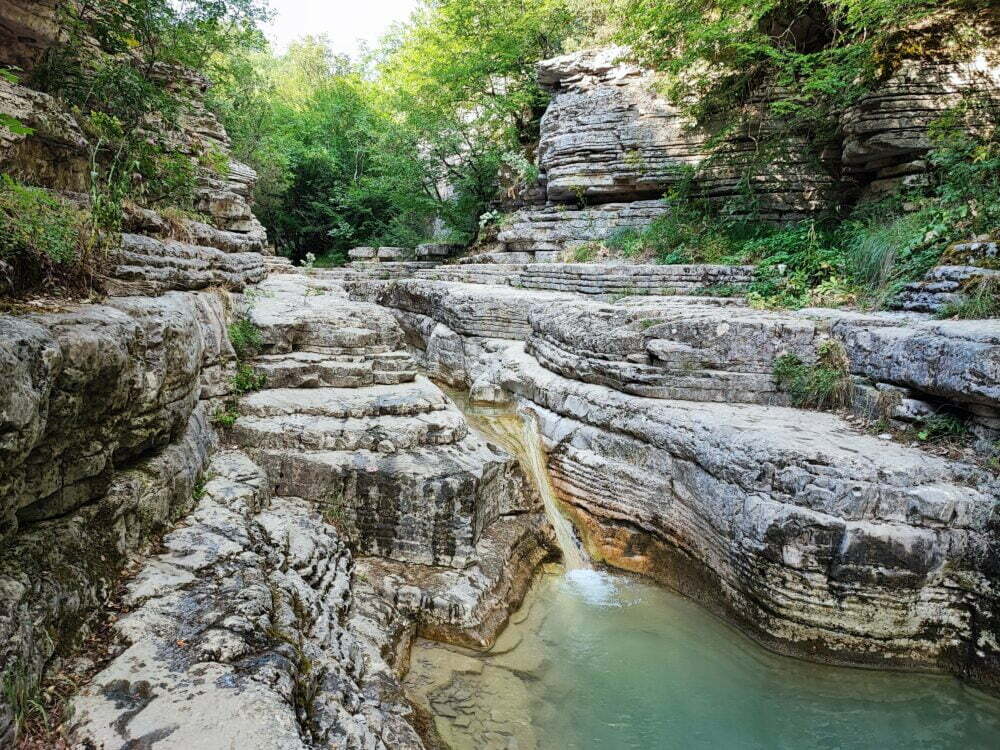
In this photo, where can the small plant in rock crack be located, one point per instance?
(225, 417)
(307, 680)
(23, 696)
(314, 292)
(247, 380)
(334, 509)
(941, 428)
(245, 338)
(823, 385)
(198, 492)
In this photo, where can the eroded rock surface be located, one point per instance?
(814, 537)
(443, 523)
(98, 385)
(608, 135)
(237, 636)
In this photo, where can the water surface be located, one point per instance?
(599, 661)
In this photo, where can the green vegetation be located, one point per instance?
(23, 695)
(416, 140)
(245, 338)
(981, 300)
(45, 241)
(125, 104)
(823, 385)
(247, 379)
(225, 417)
(942, 427)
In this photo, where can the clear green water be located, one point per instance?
(597, 661)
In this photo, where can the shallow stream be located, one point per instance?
(600, 661)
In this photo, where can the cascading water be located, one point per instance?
(520, 436)
(594, 660)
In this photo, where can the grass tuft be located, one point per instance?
(823, 385)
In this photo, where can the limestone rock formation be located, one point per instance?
(151, 266)
(447, 527)
(27, 29)
(237, 635)
(886, 134)
(54, 155)
(545, 234)
(96, 385)
(608, 135)
(816, 538)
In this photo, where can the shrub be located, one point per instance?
(981, 299)
(45, 242)
(22, 694)
(245, 338)
(225, 417)
(247, 379)
(941, 427)
(823, 385)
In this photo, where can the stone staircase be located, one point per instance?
(346, 425)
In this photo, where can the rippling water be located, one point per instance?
(598, 661)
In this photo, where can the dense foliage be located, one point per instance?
(417, 140)
(129, 68)
(44, 240)
(424, 128)
(335, 169)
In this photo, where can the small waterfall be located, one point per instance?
(519, 434)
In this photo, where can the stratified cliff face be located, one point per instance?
(608, 136)
(611, 146)
(674, 449)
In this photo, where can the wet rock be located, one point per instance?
(811, 536)
(56, 574)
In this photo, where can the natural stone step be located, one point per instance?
(246, 605)
(427, 505)
(151, 266)
(314, 370)
(419, 397)
(382, 433)
(594, 279)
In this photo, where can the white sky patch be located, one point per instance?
(347, 23)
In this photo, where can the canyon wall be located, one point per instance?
(674, 449)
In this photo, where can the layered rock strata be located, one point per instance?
(812, 537)
(886, 134)
(608, 135)
(239, 635)
(442, 523)
(816, 538)
(105, 433)
(546, 234)
(600, 280)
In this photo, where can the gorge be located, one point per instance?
(516, 493)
